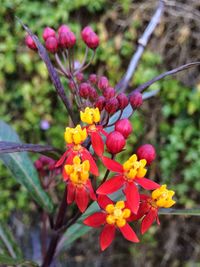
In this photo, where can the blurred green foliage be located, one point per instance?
(27, 96)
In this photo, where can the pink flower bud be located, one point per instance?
(71, 85)
(92, 93)
(111, 105)
(147, 152)
(84, 89)
(136, 100)
(123, 100)
(63, 28)
(67, 39)
(100, 103)
(48, 32)
(102, 83)
(109, 92)
(93, 78)
(52, 44)
(38, 164)
(79, 76)
(124, 127)
(30, 43)
(90, 37)
(115, 142)
(86, 32)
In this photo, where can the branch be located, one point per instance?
(52, 72)
(11, 147)
(144, 86)
(143, 41)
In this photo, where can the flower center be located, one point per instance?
(75, 135)
(162, 197)
(90, 115)
(134, 168)
(117, 214)
(78, 172)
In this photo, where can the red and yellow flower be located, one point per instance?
(91, 116)
(149, 206)
(79, 187)
(74, 137)
(113, 216)
(128, 176)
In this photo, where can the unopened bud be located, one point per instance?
(79, 77)
(123, 100)
(111, 105)
(71, 85)
(115, 142)
(67, 39)
(109, 92)
(63, 29)
(102, 83)
(100, 103)
(93, 78)
(90, 37)
(52, 44)
(124, 127)
(48, 32)
(136, 100)
(84, 90)
(92, 94)
(30, 43)
(147, 152)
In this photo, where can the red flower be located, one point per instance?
(79, 187)
(149, 206)
(74, 137)
(129, 175)
(113, 216)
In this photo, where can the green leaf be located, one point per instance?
(6, 260)
(8, 242)
(184, 212)
(22, 169)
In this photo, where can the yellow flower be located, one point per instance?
(90, 115)
(78, 172)
(163, 197)
(117, 214)
(135, 168)
(75, 135)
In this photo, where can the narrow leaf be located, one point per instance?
(6, 260)
(22, 169)
(184, 212)
(10, 147)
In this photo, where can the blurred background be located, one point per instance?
(170, 120)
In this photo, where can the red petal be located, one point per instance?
(62, 159)
(111, 185)
(96, 219)
(147, 183)
(65, 175)
(97, 143)
(81, 198)
(107, 236)
(70, 193)
(132, 197)
(148, 221)
(93, 167)
(103, 201)
(112, 165)
(144, 197)
(128, 233)
(91, 190)
(69, 159)
(103, 132)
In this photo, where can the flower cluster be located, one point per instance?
(79, 166)
(92, 140)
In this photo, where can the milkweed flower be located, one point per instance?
(91, 116)
(113, 216)
(150, 205)
(79, 187)
(74, 137)
(128, 176)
